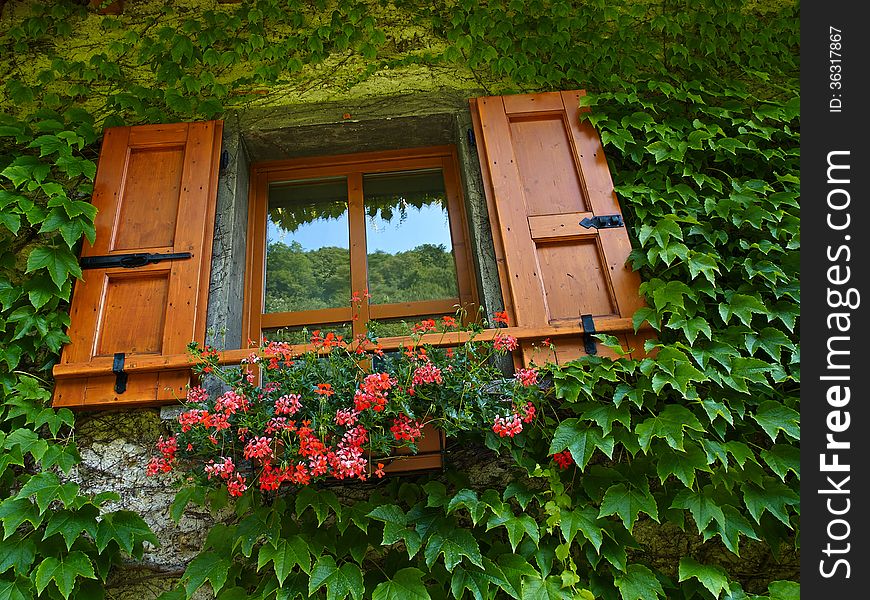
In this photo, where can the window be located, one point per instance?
(319, 230)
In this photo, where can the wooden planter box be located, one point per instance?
(429, 457)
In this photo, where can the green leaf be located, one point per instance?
(16, 590)
(472, 579)
(46, 488)
(627, 503)
(782, 458)
(712, 577)
(71, 523)
(456, 545)
(185, 495)
(10, 221)
(517, 527)
(339, 582)
(583, 520)
(536, 588)
(406, 584)
(743, 306)
(681, 464)
(208, 566)
(730, 528)
(28, 441)
(668, 425)
(520, 492)
(284, 555)
(63, 571)
(581, 439)
(784, 590)
(59, 262)
(15, 511)
(18, 553)
(605, 415)
(515, 568)
(638, 583)
(775, 417)
(126, 528)
(701, 504)
(320, 500)
(774, 497)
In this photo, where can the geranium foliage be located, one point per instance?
(697, 105)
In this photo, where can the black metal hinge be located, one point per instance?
(118, 372)
(128, 261)
(472, 142)
(588, 331)
(603, 222)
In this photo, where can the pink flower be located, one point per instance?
(505, 342)
(287, 405)
(346, 416)
(258, 448)
(527, 377)
(428, 373)
(223, 469)
(237, 486)
(508, 426)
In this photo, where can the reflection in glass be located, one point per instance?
(410, 255)
(302, 335)
(307, 249)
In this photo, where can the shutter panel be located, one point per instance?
(545, 172)
(155, 192)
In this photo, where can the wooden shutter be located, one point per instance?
(155, 192)
(544, 173)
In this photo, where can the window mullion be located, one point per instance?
(358, 256)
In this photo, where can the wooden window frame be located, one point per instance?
(353, 166)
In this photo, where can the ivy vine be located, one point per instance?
(697, 105)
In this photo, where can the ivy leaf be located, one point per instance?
(605, 415)
(782, 458)
(208, 566)
(10, 221)
(774, 497)
(468, 499)
(284, 555)
(15, 511)
(46, 488)
(320, 500)
(520, 492)
(537, 588)
(581, 440)
(730, 528)
(712, 577)
(59, 262)
(516, 527)
(668, 425)
(71, 523)
(472, 579)
(515, 568)
(16, 590)
(627, 503)
(774, 417)
(63, 571)
(681, 464)
(638, 583)
(583, 520)
(457, 544)
(743, 306)
(28, 441)
(784, 590)
(18, 553)
(185, 495)
(339, 582)
(406, 584)
(126, 528)
(701, 504)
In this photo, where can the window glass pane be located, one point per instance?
(307, 249)
(302, 335)
(410, 255)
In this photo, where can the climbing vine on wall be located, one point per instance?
(697, 106)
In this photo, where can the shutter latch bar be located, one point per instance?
(603, 222)
(128, 261)
(120, 375)
(588, 324)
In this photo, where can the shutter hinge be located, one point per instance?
(225, 161)
(603, 222)
(588, 324)
(120, 375)
(128, 261)
(472, 141)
